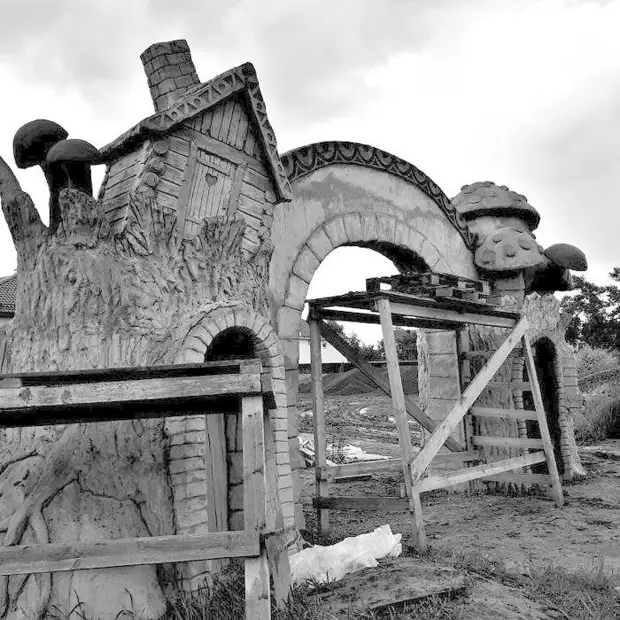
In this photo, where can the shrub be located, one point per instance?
(590, 360)
(601, 407)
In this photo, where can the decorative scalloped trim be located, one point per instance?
(199, 99)
(306, 159)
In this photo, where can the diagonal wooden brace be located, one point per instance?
(371, 373)
(468, 398)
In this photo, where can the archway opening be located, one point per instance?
(224, 435)
(545, 359)
(358, 414)
(232, 343)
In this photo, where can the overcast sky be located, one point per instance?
(524, 93)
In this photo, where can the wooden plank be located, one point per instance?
(517, 478)
(509, 385)
(226, 120)
(512, 442)
(224, 151)
(63, 377)
(320, 441)
(479, 471)
(186, 187)
(400, 413)
(383, 504)
(447, 314)
(371, 373)
(463, 344)
(52, 557)
(217, 476)
(493, 412)
(257, 599)
(517, 352)
(364, 468)
(400, 321)
(469, 396)
(237, 182)
(556, 485)
(277, 553)
(120, 392)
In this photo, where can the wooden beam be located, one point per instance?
(257, 598)
(479, 471)
(200, 405)
(448, 314)
(318, 399)
(173, 389)
(493, 412)
(328, 314)
(366, 468)
(509, 385)
(383, 504)
(64, 377)
(400, 413)
(509, 442)
(517, 478)
(556, 485)
(371, 373)
(469, 396)
(52, 557)
(186, 186)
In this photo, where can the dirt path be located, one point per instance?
(523, 532)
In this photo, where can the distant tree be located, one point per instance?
(406, 343)
(595, 313)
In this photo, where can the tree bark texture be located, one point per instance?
(90, 299)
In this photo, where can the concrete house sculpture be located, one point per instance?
(201, 245)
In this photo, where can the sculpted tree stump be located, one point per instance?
(88, 298)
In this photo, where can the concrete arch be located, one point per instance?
(347, 194)
(188, 434)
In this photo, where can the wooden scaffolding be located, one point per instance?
(213, 388)
(440, 302)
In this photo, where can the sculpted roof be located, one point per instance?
(486, 198)
(198, 99)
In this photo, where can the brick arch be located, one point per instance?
(188, 434)
(569, 464)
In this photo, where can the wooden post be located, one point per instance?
(320, 441)
(556, 485)
(400, 413)
(463, 345)
(257, 599)
(217, 479)
(277, 557)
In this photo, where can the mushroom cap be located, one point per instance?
(567, 256)
(73, 150)
(508, 249)
(33, 140)
(486, 198)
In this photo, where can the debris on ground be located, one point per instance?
(321, 564)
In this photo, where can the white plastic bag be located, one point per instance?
(323, 564)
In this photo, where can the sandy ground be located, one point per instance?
(523, 532)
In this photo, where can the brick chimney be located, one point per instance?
(169, 70)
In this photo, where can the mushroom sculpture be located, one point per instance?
(32, 143)
(69, 162)
(503, 222)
